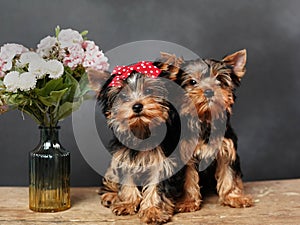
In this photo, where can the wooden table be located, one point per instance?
(276, 202)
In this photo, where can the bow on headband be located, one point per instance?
(122, 72)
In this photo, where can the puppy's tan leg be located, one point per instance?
(129, 197)
(191, 197)
(229, 182)
(109, 191)
(155, 207)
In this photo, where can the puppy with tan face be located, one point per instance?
(134, 102)
(211, 85)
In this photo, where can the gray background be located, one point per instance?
(266, 115)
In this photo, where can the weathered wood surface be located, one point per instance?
(276, 202)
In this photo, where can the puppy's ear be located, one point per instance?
(97, 78)
(171, 59)
(238, 61)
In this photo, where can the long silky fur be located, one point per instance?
(152, 168)
(225, 171)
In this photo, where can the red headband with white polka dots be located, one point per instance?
(122, 72)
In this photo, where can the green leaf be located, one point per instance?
(36, 115)
(84, 85)
(67, 108)
(17, 99)
(54, 97)
(52, 85)
(72, 88)
(84, 33)
(57, 30)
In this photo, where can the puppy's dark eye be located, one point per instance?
(148, 91)
(193, 82)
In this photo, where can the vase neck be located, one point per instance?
(49, 134)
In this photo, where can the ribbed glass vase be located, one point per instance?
(49, 173)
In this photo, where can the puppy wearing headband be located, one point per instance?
(140, 177)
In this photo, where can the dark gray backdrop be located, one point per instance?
(266, 115)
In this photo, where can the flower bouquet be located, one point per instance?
(48, 84)
(51, 82)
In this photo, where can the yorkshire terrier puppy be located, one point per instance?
(210, 84)
(139, 179)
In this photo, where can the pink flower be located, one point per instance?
(74, 56)
(93, 57)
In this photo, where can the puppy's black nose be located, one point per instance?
(208, 93)
(137, 108)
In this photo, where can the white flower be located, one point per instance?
(45, 46)
(9, 51)
(69, 37)
(27, 81)
(54, 68)
(27, 57)
(38, 67)
(14, 81)
(11, 81)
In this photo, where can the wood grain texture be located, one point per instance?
(276, 202)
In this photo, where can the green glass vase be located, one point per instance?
(49, 174)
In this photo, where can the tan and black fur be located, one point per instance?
(210, 84)
(140, 177)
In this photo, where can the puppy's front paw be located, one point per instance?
(124, 208)
(240, 201)
(154, 215)
(188, 206)
(109, 198)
